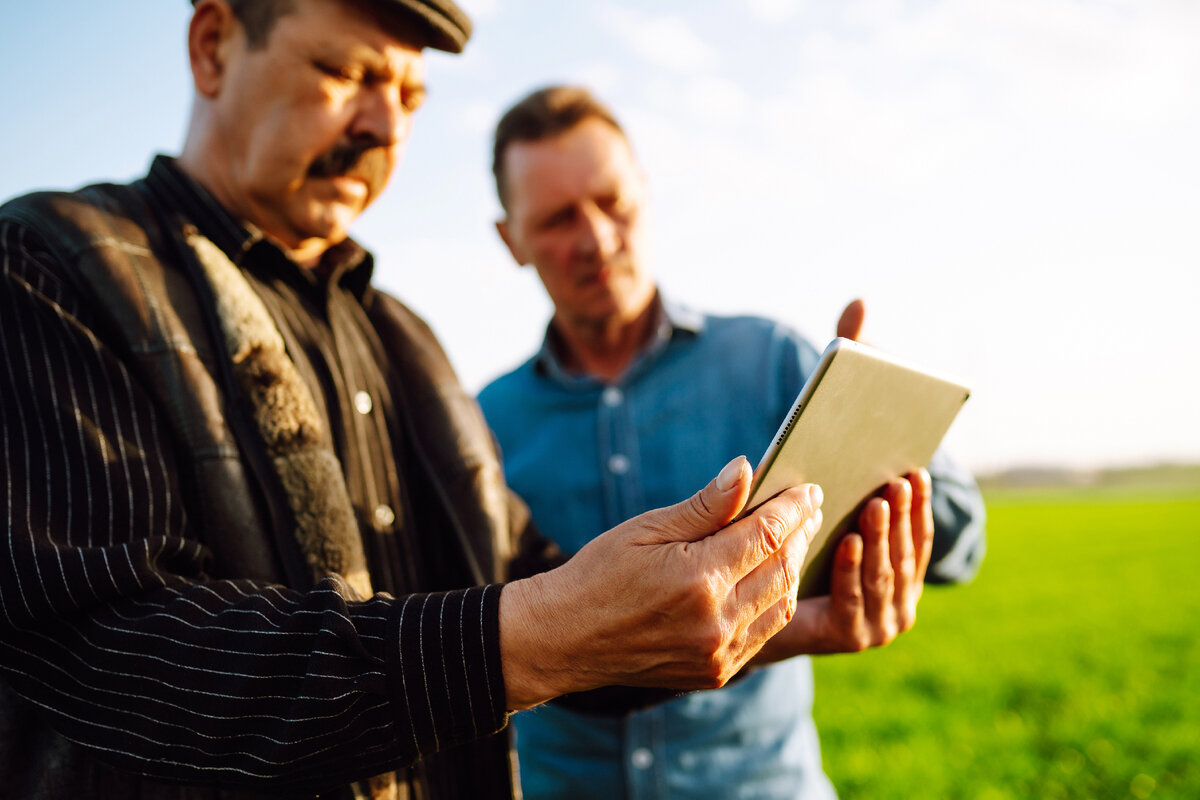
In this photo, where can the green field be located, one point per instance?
(1070, 668)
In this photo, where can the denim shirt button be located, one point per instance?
(642, 758)
(612, 397)
(618, 464)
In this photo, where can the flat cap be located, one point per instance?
(443, 24)
(447, 25)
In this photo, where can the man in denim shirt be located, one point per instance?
(630, 402)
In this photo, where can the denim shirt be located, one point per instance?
(585, 456)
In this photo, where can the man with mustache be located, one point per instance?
(256, 534)
(629, 400)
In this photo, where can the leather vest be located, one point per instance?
(119, 253)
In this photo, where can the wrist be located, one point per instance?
(532, 642)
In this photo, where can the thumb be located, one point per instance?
(711, 508)
(850, 324)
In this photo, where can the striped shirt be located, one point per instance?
(108, 619)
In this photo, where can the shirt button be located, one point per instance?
(642, 758)
(384, 516)
(362, 403)
(612, 396)
(618, 464)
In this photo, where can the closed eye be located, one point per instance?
(336, 71)
(559, 218)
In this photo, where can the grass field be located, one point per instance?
(1070, 668)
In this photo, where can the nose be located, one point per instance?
(382, 115)
(600, 239)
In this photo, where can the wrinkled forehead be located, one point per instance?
(340, 34)
(591, 158)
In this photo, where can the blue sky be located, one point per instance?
(1011, 184)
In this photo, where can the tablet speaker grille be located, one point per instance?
(787, 428)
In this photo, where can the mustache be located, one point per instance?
(367, 161)
(618, 261)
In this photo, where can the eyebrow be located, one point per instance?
(374, 61)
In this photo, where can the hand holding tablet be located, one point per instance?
(862, 419)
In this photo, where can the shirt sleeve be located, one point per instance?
(109, 622)
(959, 517)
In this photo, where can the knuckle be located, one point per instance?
(711, 643)
(786, 611)
(789, 573)
(880, 585)
(730, 669)
(717, 672)
(884, 575)
(702, 591)
(773, 531)
(700, 506)
(698, 586)
(778, 615)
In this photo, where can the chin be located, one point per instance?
(331, 224)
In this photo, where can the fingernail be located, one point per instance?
(815, 495)
(729, 476)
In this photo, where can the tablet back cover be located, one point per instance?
(862, 418)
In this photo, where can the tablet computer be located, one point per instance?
(862, 418)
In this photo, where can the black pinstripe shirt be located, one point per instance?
(107, 618)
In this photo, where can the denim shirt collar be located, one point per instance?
(672, 320)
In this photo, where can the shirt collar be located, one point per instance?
(346, 263)
(673, 320)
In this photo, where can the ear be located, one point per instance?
(513, 249)
(210, 34)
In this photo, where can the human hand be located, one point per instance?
(677, 597)
(850, 324)
(878, 576)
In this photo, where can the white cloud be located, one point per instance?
(1116, 63)
(602, 77)
(873, 13)
(716, 100)
(479, 118)
(666, 40)
(773, 10)
(480, 9)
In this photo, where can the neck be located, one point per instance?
(198, 162)
(604, 349)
